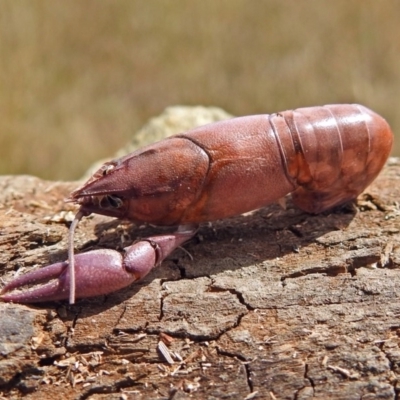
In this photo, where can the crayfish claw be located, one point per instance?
(53, 290)
(98, 272)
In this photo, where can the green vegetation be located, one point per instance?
(78, 78)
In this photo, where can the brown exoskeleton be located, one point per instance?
(324, 156)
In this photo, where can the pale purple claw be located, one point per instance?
(97, 272)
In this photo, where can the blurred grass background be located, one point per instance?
(78, 78)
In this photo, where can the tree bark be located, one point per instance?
(275, 304)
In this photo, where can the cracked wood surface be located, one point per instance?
(276, 304)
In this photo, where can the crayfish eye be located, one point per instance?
(111, 201)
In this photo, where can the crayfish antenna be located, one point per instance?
(71, 259)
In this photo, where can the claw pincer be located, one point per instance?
(98, 272)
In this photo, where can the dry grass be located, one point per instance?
(77, 78)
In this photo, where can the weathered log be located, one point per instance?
(274, 304)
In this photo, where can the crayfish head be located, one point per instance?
(157, 184)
